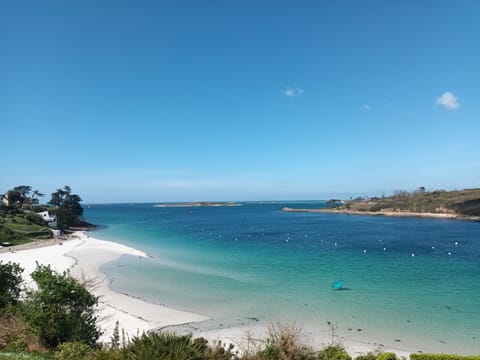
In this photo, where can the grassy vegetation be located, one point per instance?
(462, 202)
(442, 357)
(18, 227)
(16, 336)
(25, 356)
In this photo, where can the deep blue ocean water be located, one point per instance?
(409, 282)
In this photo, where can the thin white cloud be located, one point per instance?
(292, 92)
(366, 107)
(448, 100)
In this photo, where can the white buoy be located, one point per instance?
(449, 253)
(384, 249)
(413, 254)
(456, 243)
(364, 251)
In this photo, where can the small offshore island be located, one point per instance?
(198, 204)
(458, 204)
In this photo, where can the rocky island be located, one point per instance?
(198, 204)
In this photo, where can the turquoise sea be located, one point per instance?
(410, 283)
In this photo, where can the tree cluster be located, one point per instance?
(68, 208)
(66, 205)
(23, 196)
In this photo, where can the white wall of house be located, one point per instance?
(45, 216)
(51, 220)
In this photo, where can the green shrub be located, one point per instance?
(24, 356)
(387, 356)
(61, 310)
(72, 351)
(333, 352)
(442, 357)
(16, 346)
(107, 354)
(10, 283)
(165, 346)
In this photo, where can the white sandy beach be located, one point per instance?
(83, 256)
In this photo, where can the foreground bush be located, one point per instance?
(61, 310)
(15, 335)
(387, 356)
(442, 357)
(72, 351)
(377, 356)
(333, 352)
(24, 356)
(10, 283)
(166, 346)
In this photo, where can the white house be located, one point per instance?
(5, 201)
(50, 219)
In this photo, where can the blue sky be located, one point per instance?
(239, 100)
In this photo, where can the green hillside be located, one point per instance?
(461, 202)
(18, 227)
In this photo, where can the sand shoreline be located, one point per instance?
(83, 256)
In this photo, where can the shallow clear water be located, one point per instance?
(410, 283)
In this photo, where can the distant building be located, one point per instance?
(335, 202)
(5, 201)
(50, 219)
(56, 233)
